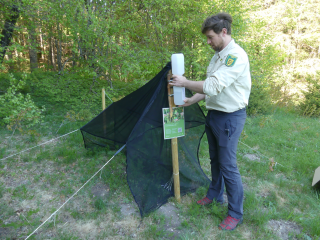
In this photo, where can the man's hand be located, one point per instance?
(181, 81)
(187, 101)
(194, 99)
(178, 81)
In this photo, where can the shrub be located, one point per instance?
(18, 111)
(311, 104)
(77, 90)
(260, 99)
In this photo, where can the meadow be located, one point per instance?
(277, 156)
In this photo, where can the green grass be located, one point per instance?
(40, 180)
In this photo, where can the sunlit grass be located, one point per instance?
(42, 179)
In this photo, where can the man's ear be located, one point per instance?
(224, 31)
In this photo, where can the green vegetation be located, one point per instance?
(40, 180)
(63, 52)
(311, 105)
(18, 110)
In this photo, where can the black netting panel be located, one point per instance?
(117, 121)
(136, 121)
(91, 141)
(149, 168)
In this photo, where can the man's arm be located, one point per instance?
(181, 81)
(194, 99)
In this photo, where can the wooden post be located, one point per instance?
(103, 108)
(103, 99)
(174, 146)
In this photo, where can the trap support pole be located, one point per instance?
(174, 145)
(103, 108)
(103, 99)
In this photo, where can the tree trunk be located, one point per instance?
(51, 53)
(33, 48)
(7, 31)
(10, 58)
(58, 47)
(42, 48)
(57, 44)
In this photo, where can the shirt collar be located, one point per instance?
(225, 51)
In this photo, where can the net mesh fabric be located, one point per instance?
(137, 121)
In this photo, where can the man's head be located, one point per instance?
(217, 28)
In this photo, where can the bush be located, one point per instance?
(311, 104)
(265, 58)
(260, 99)
(77, 90)
(19, 110)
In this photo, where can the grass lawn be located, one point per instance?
(277, 156)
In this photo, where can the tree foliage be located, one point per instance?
(104, 42)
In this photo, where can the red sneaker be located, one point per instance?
(204, 201)
(230, 223)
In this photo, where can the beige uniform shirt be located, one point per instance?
(228, 84)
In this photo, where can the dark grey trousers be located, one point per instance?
(223, 131)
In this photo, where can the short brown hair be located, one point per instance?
(217, 23)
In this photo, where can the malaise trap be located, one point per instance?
(137, 122)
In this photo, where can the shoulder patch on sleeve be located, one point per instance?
(231, 60)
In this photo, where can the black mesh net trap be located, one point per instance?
(136, 120)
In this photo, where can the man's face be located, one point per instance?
(216, 41)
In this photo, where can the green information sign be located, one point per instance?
(173, 127)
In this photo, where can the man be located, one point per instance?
(226, 91)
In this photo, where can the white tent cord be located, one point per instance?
(75, 192)
(253, 149)
(39, 145)
(258, 152)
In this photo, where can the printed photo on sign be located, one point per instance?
(173, 126)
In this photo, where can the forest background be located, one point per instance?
(66, 51)
(57, 55)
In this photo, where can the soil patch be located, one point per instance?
(252, 157)
(284, 229)
(172, 219)
(100, 190)
(129, 209)
(4, 232)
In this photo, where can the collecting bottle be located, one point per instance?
(177, 64)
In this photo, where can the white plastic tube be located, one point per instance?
(177, 64)
(179, 95)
